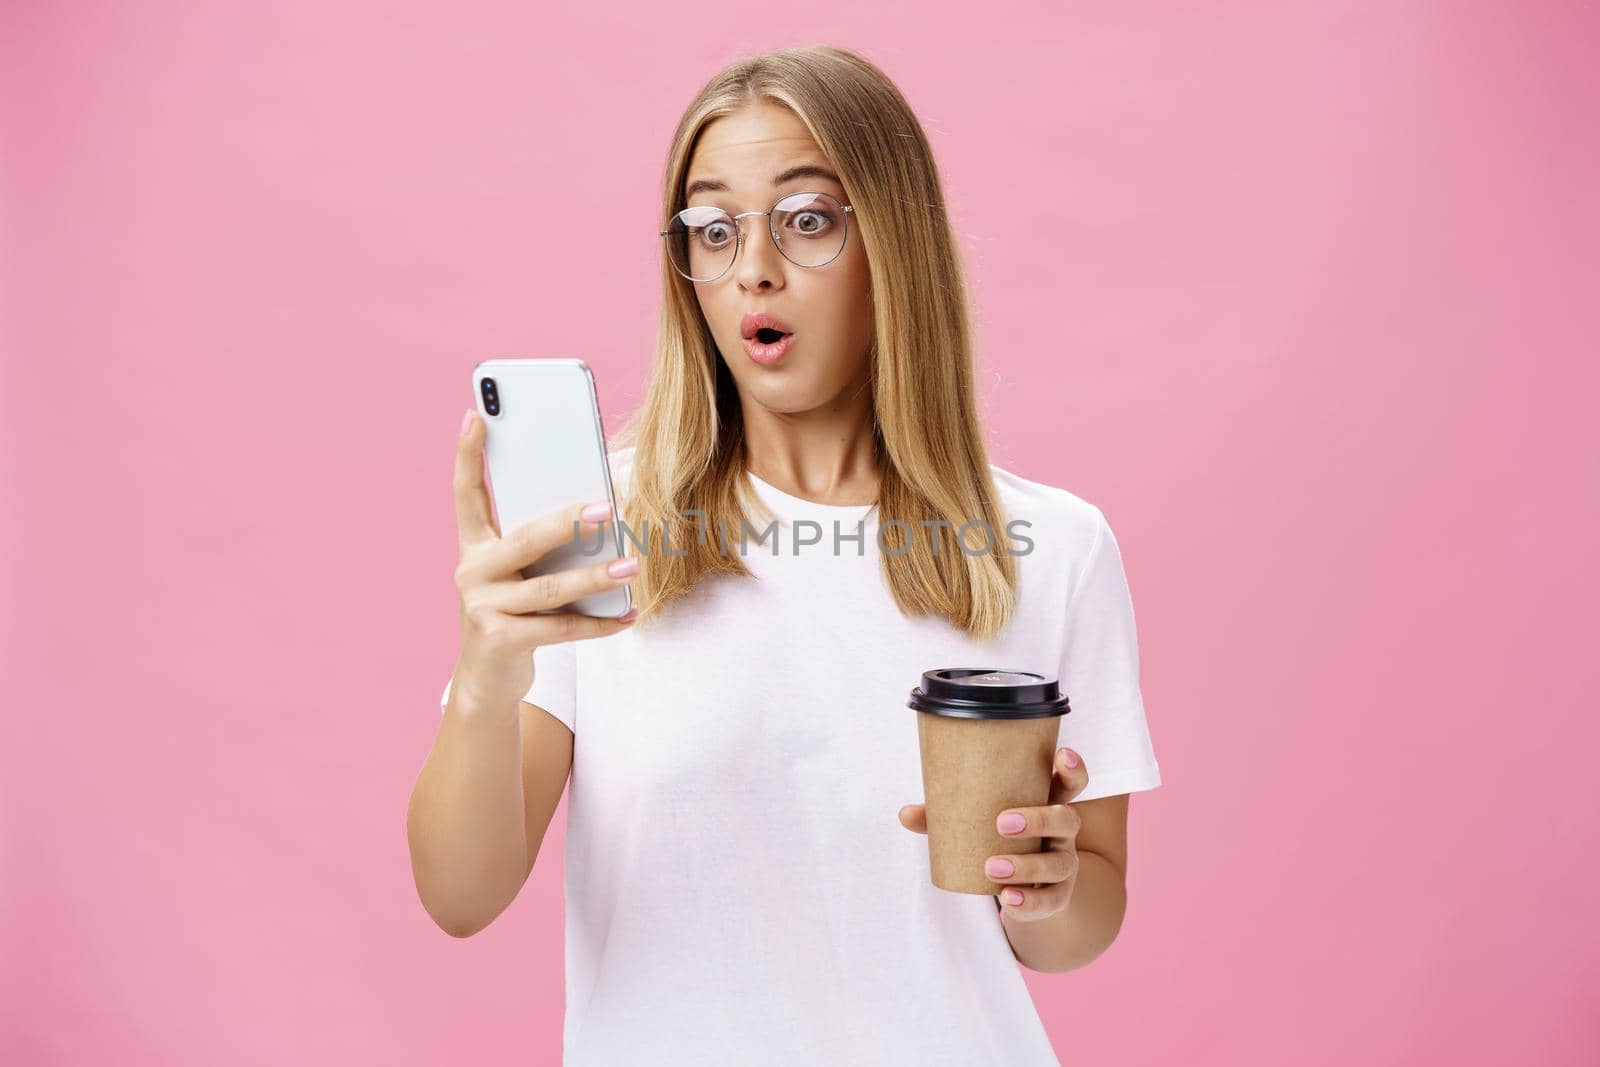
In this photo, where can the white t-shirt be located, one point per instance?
(739, 888)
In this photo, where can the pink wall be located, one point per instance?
(1302, 295)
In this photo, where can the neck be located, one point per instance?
(825, 455)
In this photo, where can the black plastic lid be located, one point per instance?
(988, 693)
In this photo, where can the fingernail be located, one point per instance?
(596, 511)
(1011, 896)
(466, 421)
(629, 615)
(1070, 756)
(618, 568)
(1011, 822)
(998, 868)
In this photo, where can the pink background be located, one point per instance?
(1302, 295)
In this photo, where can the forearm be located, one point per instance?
(465, 826)
(1082, 930)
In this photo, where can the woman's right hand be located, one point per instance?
(498, 635)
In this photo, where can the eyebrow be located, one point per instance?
(804, 170)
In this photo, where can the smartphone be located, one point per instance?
(545, 449)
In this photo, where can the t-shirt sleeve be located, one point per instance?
(555, 683)
(1100, 676)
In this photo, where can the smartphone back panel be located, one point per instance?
(544, 450)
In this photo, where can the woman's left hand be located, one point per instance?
(1048, 874)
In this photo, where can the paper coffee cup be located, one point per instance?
(988, 741)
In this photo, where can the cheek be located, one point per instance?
(716, 316)
(840, 310)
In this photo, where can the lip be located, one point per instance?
(767, 355)
(761, 320)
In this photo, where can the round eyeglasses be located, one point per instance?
(808, 228)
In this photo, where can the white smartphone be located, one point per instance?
(545, 449)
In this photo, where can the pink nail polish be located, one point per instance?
(1070, 756)
(999, 868)
(596, 511)
(1011, 896)
(466, 421)
(1011, 822)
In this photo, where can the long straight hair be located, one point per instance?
(688, 434)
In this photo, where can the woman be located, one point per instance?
(736, 889)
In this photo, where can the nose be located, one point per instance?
(760, 263)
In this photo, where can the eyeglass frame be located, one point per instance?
(738, 230)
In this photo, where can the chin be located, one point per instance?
(790, 397)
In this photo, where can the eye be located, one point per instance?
(813, 220)
(713, 235)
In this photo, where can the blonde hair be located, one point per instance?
(687, 434)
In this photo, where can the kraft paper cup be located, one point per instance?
(988, 740)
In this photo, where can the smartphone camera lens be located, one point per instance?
(491, 396)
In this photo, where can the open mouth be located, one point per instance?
(768, 336)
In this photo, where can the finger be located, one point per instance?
(568, 626)
(915, 817)
(1051, 820)
(474, 517)
(1071, 778)
(1030, 903)
(559, 588)
(1032, 868)
(527, 544)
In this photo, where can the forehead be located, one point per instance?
(747, 148)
